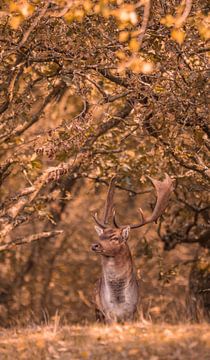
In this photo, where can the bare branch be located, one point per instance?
(131, 191)
(57, 90)
(12, 211)
(29, 239)
(147, 6)
(173, 238)
(181, 19)
(204, 171)
(4, 168)
(190, 206)
(115, 79)
(112, 98)
(59, 12)
(114, 121)
(100, 89)
(34, 24)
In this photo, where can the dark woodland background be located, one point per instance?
(85, 94)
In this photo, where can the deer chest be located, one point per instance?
(119, 298)
(117, 290)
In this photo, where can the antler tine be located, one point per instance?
(108, 210)
(98, 222)
(163, 190)
(114, 220)
(142, 214)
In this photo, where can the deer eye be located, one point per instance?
(116, 240)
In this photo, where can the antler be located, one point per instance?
(163, 190)
(108, 210)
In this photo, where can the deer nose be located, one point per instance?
(95, 247)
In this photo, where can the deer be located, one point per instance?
(117, 292)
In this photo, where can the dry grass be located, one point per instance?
(95, 342)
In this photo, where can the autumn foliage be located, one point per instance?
(88, 90)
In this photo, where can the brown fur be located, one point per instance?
(117, 291)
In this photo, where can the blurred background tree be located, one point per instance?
(90, 89)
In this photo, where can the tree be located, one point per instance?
(94, 88)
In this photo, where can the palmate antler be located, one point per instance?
(163, 191)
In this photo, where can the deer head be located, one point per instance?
(113, 238)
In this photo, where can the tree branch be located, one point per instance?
(142, 30)
(181, 19)
(54, 173)
(115, 79)
(34, 24)
(57, 90)
(133, 192)
(29, 239)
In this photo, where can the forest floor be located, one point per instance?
(99, 342)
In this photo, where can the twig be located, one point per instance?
(117, 96)
(13, 210)
(100, 89)
(60, 12)
(147, 6)
(181, 19)
(57, 91)
(115, 79)
(34, 24)
(97, 179)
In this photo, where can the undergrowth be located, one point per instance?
(100, 342)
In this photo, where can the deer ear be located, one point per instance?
(125, 233)
(99, 230)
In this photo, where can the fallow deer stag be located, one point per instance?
(117, 291)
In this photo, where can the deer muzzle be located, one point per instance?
(96, 247)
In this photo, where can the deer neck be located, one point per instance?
(119, 266)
